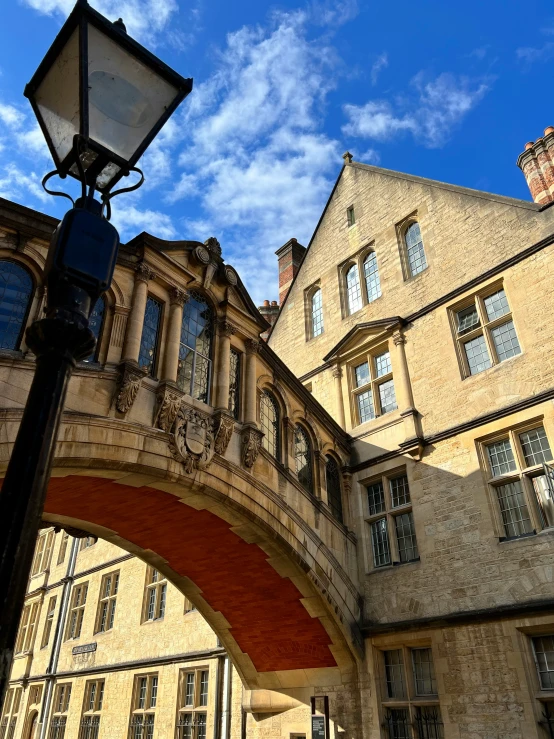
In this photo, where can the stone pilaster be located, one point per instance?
(339, 401)
(224, 330)
(135, 322)
(177, 299)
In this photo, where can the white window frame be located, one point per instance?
(156, 583)
(76, 612)
(372, 385)
(107, 601)
(196, 710)
(43, 552)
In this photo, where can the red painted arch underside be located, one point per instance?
(267, 619)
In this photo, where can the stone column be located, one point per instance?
(177, 300)
(402, 385)
(252, 349)
(135, 322)
(225, 330)
(337, 375)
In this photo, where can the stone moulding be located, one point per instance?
(251, 442)
(129, 383)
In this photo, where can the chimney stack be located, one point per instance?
(269, 311)
(289, 257)
(537, 164)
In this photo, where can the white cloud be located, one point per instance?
(529, 54)
(15, 184)
(10, 116)
(439, 106)
(370, 156)
(131, 220)
(144, 19)
(382, 62)
(252, 155)
(332, 12)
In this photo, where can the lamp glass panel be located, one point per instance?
(57, 98)
(126, 97)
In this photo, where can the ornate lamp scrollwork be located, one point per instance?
(251, 442)
(129, 383)
(193, 439)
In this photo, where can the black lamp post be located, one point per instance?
(100, 99)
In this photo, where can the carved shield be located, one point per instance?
(195, 437)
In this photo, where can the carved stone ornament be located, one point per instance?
(178, 296)
(252, 346)
(213, 245)
(193, 439)
(144, 273)
(251, 442)
(202, 255)
(129, 384)
(225, 328)
(225, 425)
(230, 275)
(169, 401)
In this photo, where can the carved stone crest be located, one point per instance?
(193, 439)
(225, 425)
(213, 245)
(251, 442)
(128, 387)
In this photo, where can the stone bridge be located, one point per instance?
(187, 442)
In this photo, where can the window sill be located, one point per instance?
(411, 278)
(537, 534)
(393, 566)
(376, 424)
(22, 655)
(153, 621)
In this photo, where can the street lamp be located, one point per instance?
(100, 99)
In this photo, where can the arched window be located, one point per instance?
(16, 289)
(303, 458)
(414, 250)
(195, 351)
(269, 422)
(317, 314)
(353, 291)
(332, 478)
(371, 276)
(95, 323)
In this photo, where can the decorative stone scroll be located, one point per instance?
(230, 275)
(253, 346)
(130, 379)
(251, 442)
(192, 441)
(144, 273)
(169, 400)
(225, 425)
(178, 296)
(225, 328)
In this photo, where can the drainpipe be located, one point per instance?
(226, 711)
(218, 689)
(58, 635)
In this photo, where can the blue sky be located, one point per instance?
(451, 91)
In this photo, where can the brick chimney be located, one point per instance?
(289, 257)
(537, 164)
(269, 311)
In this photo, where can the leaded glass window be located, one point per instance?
(353, 289)
(16, 289)
(514, 510)
(501, 457)
(424, 672)
(405, 537)
(371, 276)
(374, 387)
(317, 313)
(195, 352)
(544, 658)
(376, 498)
(332, 479)
(269, 422)
(380, 543)
(234, 383)
(303, 458)
(144, 707)
(148, 353)
(95, 323)
(535, 447)
(391, 522)
(415, 252)
(485, 332)
(394, 673)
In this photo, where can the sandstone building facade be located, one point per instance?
(367, 511)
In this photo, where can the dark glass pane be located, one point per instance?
(332, 477)
(302, 456)
(269, 421)
(95, 324)
(196, 348)
(16, 287)
(234, 383)
(149, 339)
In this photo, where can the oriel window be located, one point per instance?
(148, 353)
(195, 352)
(16, 291)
